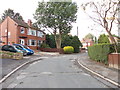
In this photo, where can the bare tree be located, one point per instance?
(105, 14)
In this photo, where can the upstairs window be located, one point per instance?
(40, 34)
(32, 32)
(22, 30)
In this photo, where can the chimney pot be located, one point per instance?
(29, 22)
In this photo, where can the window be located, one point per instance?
(8, 43)
(22, 41)
(40, 34)
(11, 49)
(31, 42)
(39, 43)
(22, 30)
(32, 32)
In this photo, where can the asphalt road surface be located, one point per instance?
(54, 72)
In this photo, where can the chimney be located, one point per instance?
(29, 22)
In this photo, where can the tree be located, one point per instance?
(76, 44)
(0, 20)
(57, 16)
(73, 41)
(89, 36)
(12, 14)
(66, 40)
(103, 39)
(95, 40)
(105, 13)
(50, 40)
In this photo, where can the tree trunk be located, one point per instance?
(58, 41)
(112, 40)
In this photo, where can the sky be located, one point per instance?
(27, 8)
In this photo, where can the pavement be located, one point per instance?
(48, 53)
(105, 70)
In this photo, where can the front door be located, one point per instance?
(22, 41)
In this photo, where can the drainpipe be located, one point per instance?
(7, 32)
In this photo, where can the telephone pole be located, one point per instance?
(77, 31)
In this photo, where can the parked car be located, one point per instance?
(28, 50)
(24, 51)
(10, 48)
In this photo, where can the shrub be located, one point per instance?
(75, 43)
(44, 45)
(50, 40)
(118, 47)
(72, 41)
(99, 52)
(66, 40)
(103, 39)
(68, 49)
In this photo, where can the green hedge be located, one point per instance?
(99, 52)
(44, 45)
(118, 47)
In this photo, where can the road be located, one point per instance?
(54, 72)
(7, 65)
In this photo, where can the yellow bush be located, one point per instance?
(68, 49)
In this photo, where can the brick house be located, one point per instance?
(87, 42)
(17, 31)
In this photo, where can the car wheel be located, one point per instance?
(24, 54)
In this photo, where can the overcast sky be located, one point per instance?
(27, 8)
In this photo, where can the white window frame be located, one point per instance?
(30, 42)
(22, 40)
(22, 30)
(40, 34)
(32, 32)
(39, 42)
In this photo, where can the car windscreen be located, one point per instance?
(18, 47)
(26, 47)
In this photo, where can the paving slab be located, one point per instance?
(100, 68)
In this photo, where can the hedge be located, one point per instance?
(68, 49)
(99, 52)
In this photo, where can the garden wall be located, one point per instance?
(49, 49)
(11, 55)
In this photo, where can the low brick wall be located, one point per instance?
(11, 55)
(49, 49)
(114, 60)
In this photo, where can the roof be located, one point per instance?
(21, 23)
(32, 27)
(86, 40)
(24, 24)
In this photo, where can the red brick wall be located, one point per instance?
(12, 29)
(49, 49)
(20, 35)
